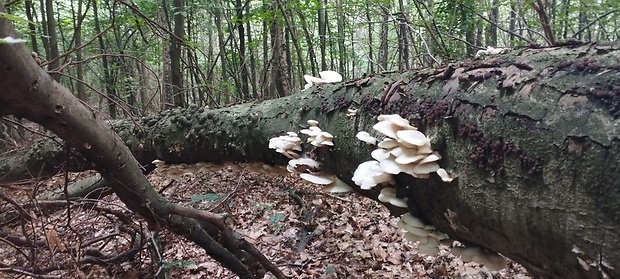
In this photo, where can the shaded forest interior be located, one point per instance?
(144, 61)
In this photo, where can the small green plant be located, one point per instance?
(212, 197)
(275, 218)
(177, 263)
(329, 270)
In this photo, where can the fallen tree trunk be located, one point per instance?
(532, 136)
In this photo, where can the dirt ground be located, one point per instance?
(305, 232)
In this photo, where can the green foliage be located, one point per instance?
(14, 18)
(211, 197)
(177, 264)
(275, 218)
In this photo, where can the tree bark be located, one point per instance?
(532, 136)
(175, 53)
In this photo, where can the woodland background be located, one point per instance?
(132, 59)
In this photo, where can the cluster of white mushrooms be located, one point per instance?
(407, 150)
(490, 51)
(325, 77)
(404, 149)
(308, 168)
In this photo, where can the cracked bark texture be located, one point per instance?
(532, 136)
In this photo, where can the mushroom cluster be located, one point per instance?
(325, 77)
(307, 168)
(490, 51)
(489, 258)
(287, 145)
(428, 236)
(316, 136)
(405, 149)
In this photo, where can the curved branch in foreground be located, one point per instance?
(29, 92)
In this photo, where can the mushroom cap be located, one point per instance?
(390, 166)
(412, 221)
(366, 137)
(351, 112)
(284, 142)
(444, 175)
(314, 80)
(413, 137)
(369, 174)
(337, 187)
(317, 179)
(388, 143)
(312, 131)
(398, 202)
(158, 163)
(330, 76)
(387, 128)
(438, 235)
(312, 122)
(387, 194)
(426, 168)
(406, 155)
(303, 165)
(380, 154)
(431, 158)
(388, 117)
(425, 149)
(288, 153)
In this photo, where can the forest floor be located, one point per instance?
(305, 232)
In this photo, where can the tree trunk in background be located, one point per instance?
(267, 63)
(310, 41)
(146, 95)
(535, 147)
(512, 24)
(79, 68)
(175, 53)
(403, 34)
(110, 89)
(280, 80)
(383, 39)
(583, 21)
(45, 38)
(53, 39)
(218, 15)
(491, 32)
(371, 60)
(32, 26)
(322, 26)
(253, 70)
(342, 51)
(245, 75)
(167, 97)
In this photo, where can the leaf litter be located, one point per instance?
(305, 232)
